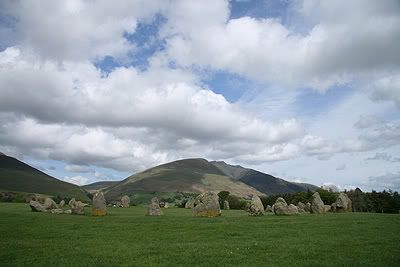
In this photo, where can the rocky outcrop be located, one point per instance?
(206, 205)
(317, 205)
(256, 207)
(99, 205)
(125, 201)
(154, 208)
(282, 208)
(342, 204)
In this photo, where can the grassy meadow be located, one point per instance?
(127, 237)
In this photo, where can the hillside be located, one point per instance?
(199, 175)
(189, 175)
(91, 188)
(18, 176)
(263, 182)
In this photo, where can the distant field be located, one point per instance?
(127, 237)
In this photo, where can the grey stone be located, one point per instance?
(307, 208)
(57, 211)
(206, 205)
(317, 205)
(342, 204)
(226, 205)
(301, 207)
(77, 207)
(99, 205)
(327, 208)
(268, 208)
(154, 208)
(49, 204)
(282, 208)
(125, 201)
(256, 207)
(190, 203)
(62, 203)
(36, 206)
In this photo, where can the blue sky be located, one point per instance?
(305, 90)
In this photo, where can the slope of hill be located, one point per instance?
(188, 175)
(263, 182)
(91, 188)
(18, 176)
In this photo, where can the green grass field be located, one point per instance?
(127, 237)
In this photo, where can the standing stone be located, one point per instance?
(343, 203)
(99, 205)
(268, 208)
(307, 208)
(226, 205)
(301, 207)
(190, 203)
(317, 205)
(62, 203)
(282, 208)
(36, 206)
(50, 204)
(256, 207)
(207, 205)
(125, 201)
(327, 208)
(166, 205)
(77, 207)
(154, 208)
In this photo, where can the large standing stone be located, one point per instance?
(99, 205)
(342, 204)
(50, 204)
(301, 207)
(125, 201)
(190, 203)
(206, 205)
(317, 205)
(226, 205)
(154, 208)
(36, 206)
(77, 207)
(282, 208)
(256, 207)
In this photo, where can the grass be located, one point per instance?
(127, 237)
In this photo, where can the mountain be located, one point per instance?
(263, 182)
(20, 177)
(199, 175)
(188, 175)
(91, 188)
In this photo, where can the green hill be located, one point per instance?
(263, 182)
(102, 185)
(17, 176)
(188, 175)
